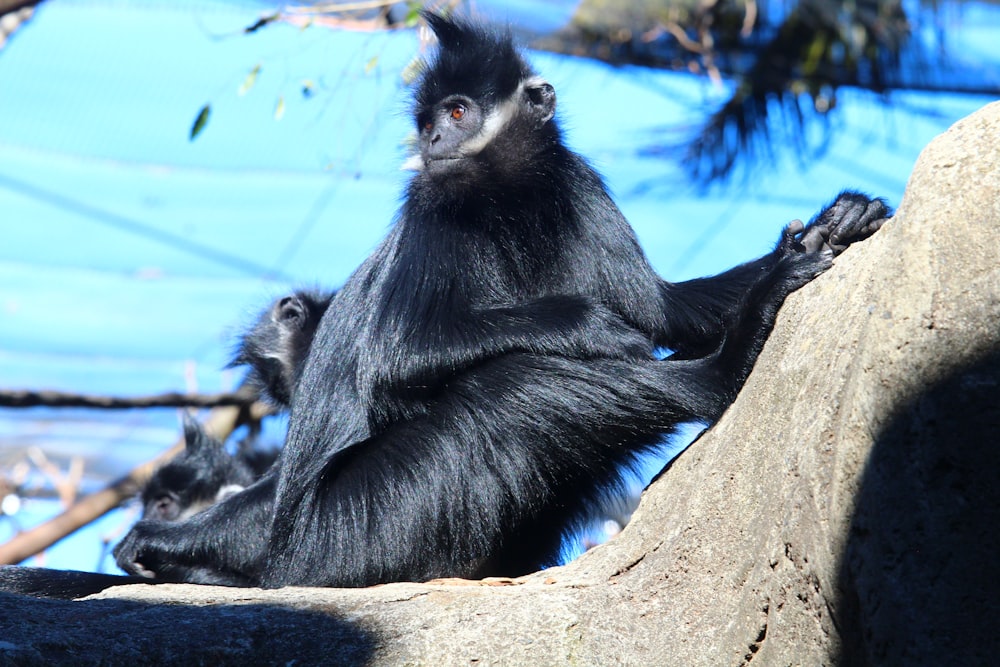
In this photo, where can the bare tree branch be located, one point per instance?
(57, 399)
(14, 5)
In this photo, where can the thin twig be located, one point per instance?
(335, 8)
(57, 399)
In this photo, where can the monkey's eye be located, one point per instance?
(458, 112)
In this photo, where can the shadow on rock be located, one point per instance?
(920, 579)
(119, 632)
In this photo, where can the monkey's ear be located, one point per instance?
(195, 438)
(288, 308)
(542, 97)
(192, 432)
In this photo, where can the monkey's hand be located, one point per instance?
(134, 555)
(145, 551)
(850, 218)
(154, 550)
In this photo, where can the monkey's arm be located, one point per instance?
(697, 311)
(564, 325)
(224, 545)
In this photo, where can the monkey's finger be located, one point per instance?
(793, 228)
(859, 223)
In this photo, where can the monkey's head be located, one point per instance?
(277, 345)
(481, 112)
(201, 476)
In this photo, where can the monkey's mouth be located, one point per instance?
(440, 165)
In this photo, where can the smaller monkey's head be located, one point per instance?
(201, 476)
(277, 345)
(480, 110)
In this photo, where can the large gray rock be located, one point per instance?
(845, 509)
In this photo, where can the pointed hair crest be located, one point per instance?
(473, 60)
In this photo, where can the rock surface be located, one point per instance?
(844, 510)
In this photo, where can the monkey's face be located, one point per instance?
(450, 135)
(467, 144)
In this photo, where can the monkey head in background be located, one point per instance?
(276, 346)
(200, 476)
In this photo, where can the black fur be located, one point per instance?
(202, 475)
(59, 584)
(277, 345)
(490, 366)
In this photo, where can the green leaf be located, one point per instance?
(370, 65)
(814, 55)
(200, 122)
(249, 81)
(413, 13)
(279, 108)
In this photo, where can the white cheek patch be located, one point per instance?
(413, 163)
(498, 118)
(227, 491)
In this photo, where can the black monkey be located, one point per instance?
(202, 475)
(490, 365)
(277, 344)
(275, 348)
